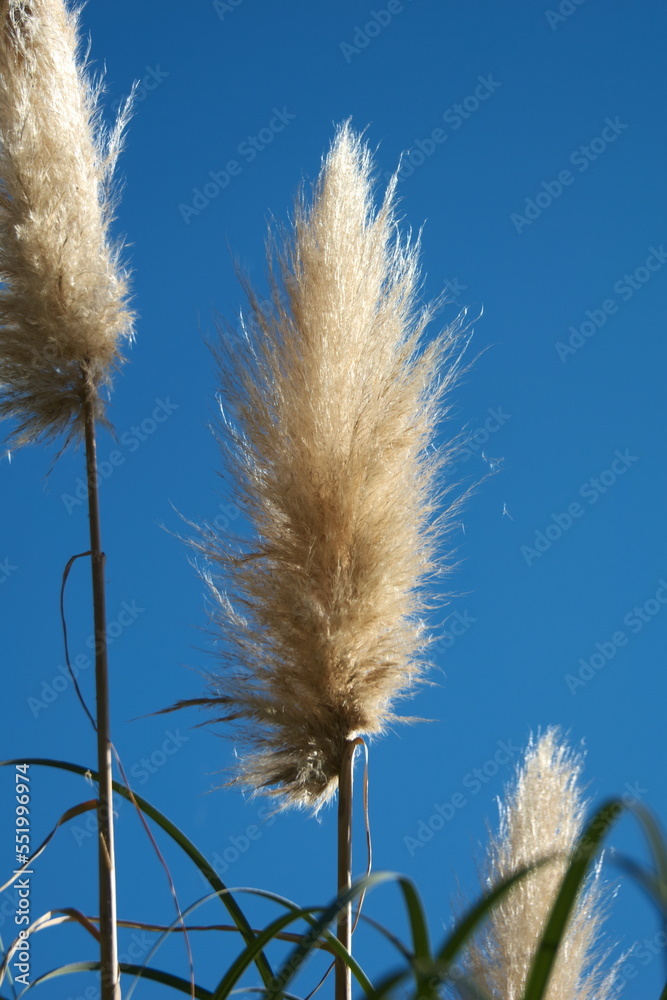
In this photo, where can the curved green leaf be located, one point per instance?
(403, 950)
(658, 847)
(417, 917)
(193, 853)
(439, 970)
(587, 847)
(158, 976)
(238, 967)
(166, 978)
(415, 912)
(465, 927)
(419, 931)
(642, 876)
(273, 929)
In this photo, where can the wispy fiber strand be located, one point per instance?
(330, 400)
(63, 300)
(542, 816)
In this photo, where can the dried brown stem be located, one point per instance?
(109, 970)
(344, 930)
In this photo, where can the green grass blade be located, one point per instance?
(587, 847)
(272, 930)
(438, 972)
(418, 926)
(421, 958)
(419, 929)
(389, 983)
(470, 920)
(644, 878)
(234, 910)
(259, 989)
(166, 978)
(247, 957)
(656, 841)
(656, 883)
(402, 949)
(298, 956)
(301, 952)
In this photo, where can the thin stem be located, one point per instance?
(109, 970)
(344, 930)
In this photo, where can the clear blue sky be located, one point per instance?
(533, 150)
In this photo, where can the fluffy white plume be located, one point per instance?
(63, 300)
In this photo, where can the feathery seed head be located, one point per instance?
(330, 401)
(542, 816)
(63, 298)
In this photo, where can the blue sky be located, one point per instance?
(532, 144)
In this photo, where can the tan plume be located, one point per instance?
(63, 300)
(542, 816)
(330, 396)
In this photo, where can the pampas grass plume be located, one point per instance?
(330, 400)
(63, 301)
(542, 816)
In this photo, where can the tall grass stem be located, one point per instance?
(343, 974)
(109, 970)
